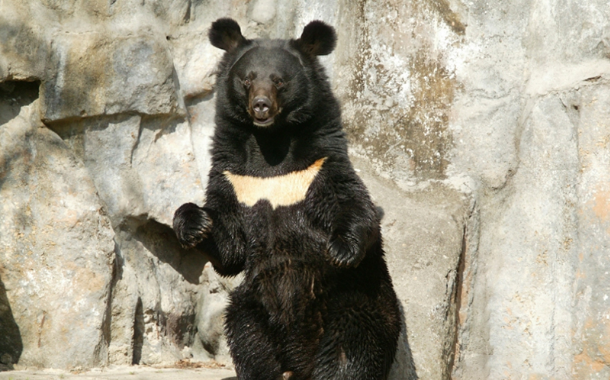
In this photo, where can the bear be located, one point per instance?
(285, 206)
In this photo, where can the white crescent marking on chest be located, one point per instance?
(282, 190)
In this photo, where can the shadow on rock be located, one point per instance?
(404, 367)
(11, 345)
(14, 95)
(161, 241)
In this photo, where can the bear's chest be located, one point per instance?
(282, 190)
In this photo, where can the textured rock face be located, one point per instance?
(56, 247)
(481, 127)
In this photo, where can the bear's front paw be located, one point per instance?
(191, 224)
(345, 251)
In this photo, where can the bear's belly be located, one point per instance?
(289, 289)
(283, 233)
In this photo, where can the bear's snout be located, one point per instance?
(263, 105)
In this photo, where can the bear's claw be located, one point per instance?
(345, 251)
(191, 224)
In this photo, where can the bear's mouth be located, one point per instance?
(265, 119)
(263, 122)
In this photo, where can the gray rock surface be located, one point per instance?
(481, 127)
(95, 73)
(56, 248)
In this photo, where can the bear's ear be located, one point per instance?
(225, 34)
(317, 38)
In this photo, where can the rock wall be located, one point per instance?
(481, 127)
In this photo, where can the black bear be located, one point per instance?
(285, 206)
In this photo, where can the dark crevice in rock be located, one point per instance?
(117, 274)
(187, 15)
(135, 145)
(138, 333)
(14, 95)
(457, 301)
(467, 269)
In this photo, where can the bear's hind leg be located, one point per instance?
(253, 350)
(359, 344)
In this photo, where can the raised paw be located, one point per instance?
(345, 251)
(191, 224)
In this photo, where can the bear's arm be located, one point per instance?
(226, 242)
(343, 205)
(216, 229)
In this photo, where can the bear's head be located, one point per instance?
(267, 83)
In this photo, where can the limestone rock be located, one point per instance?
(23, 44)
(56, 247)
(210, 320)
(91, 74)
(423, 236)
(137, 163)
(154, 299)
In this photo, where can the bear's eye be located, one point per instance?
(279, 83)
(247, 83)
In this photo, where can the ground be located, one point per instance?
(124, 373)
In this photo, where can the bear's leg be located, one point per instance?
(300, 346)
(359, 343)
(250, 339)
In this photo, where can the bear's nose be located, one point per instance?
(261, 104)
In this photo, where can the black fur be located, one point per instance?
(317, 300)
(225, 34)
(317, 39)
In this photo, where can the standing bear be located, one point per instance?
(285, 206)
